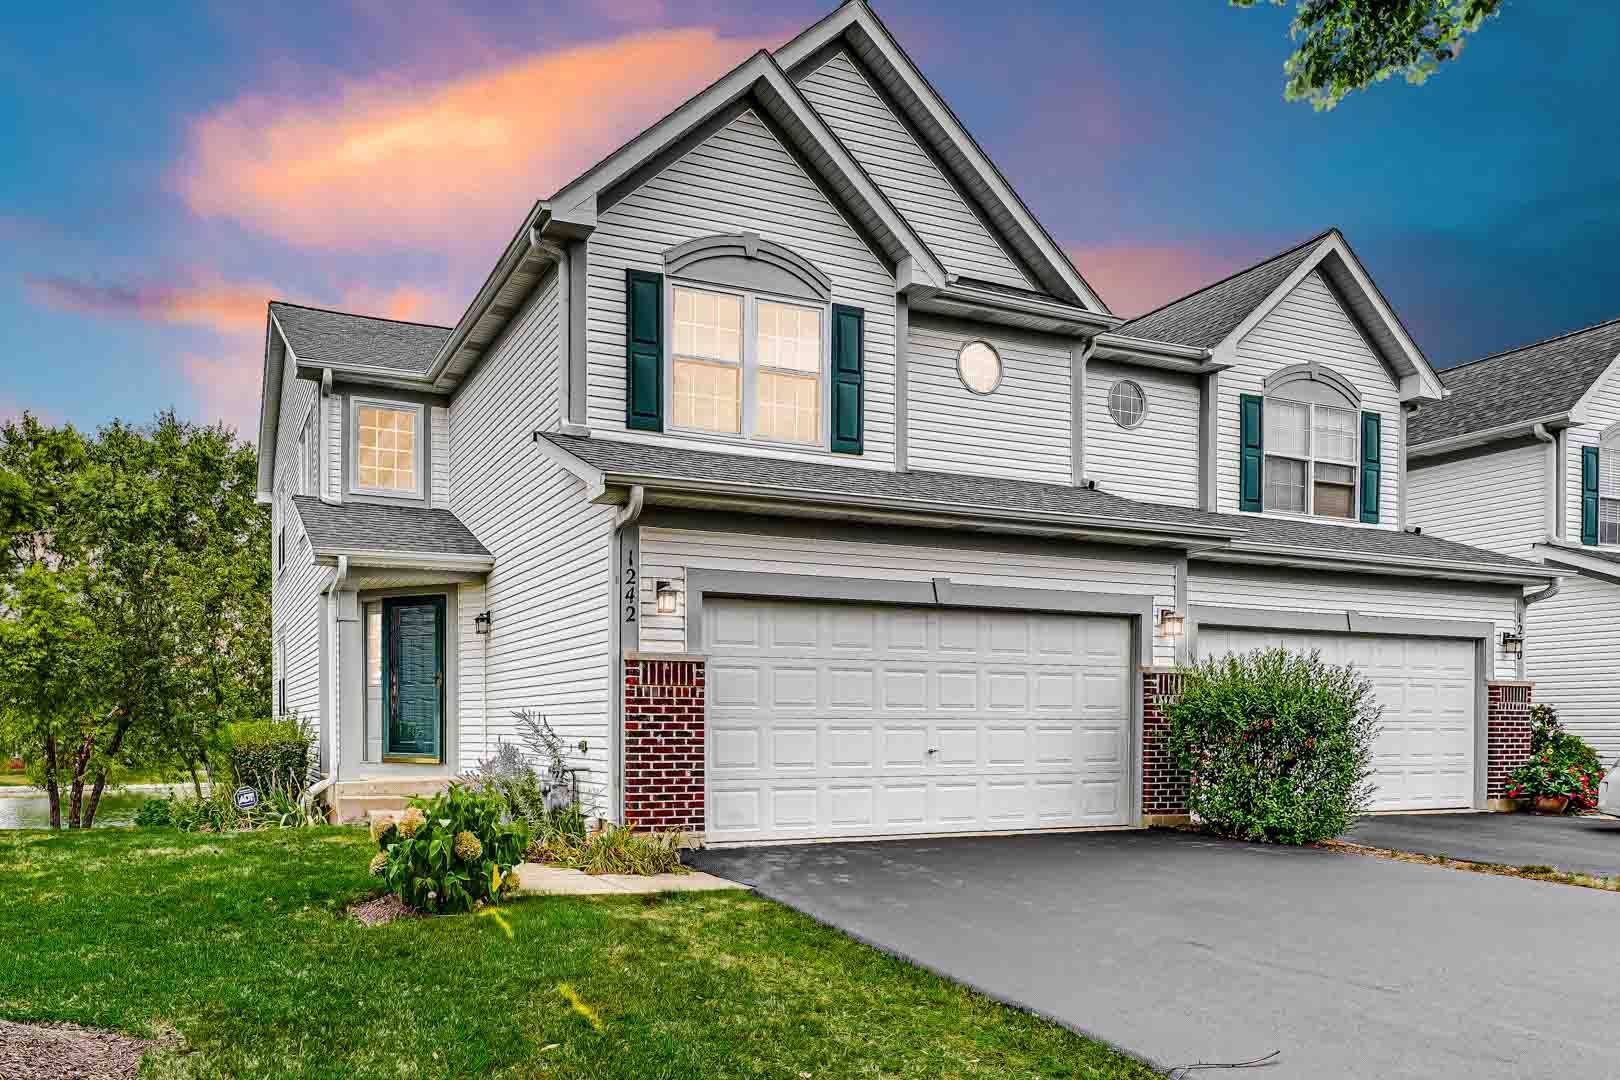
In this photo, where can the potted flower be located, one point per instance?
(1549, 784)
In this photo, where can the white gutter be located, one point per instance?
(1126, 343)
(627, 514)
(1398, 566)
(408, 560)
(1517, 429)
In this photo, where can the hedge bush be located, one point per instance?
(270, 755)
(451, 853)
(1277, 745)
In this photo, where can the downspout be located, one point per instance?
(337, 699)
(1553, 499)
(630, 511)
(624, 517)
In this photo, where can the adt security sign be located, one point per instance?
(246, 798)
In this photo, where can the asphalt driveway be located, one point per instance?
(1181, 949)
(1576, 845)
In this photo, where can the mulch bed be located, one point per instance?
(377, 912)
(67, 1052)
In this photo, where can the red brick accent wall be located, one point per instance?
(1507, 718)
(1164, 787)
(663, 744)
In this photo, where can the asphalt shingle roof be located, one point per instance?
(351, 527)
(1532, 381)
(340, 338)
(993, 493)
(1204, 318)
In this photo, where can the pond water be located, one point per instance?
(34, 811)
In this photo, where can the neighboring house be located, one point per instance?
(786, 464)
(1523, 458)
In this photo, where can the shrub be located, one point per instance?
(1560, 763)
(155, 814)
(280, 807)
(616, 849)
(270, 754)
(1277, 745)
(453, 852)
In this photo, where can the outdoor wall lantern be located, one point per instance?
(481, 622)
(1172, 623)
(1512, 643)
(666, 593)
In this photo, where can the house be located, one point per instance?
(1523, 458)
(789, 468)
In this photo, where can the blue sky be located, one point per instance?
(172, 169)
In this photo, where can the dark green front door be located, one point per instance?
(413, 679)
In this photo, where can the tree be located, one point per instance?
(136, 576)
(1347, 45)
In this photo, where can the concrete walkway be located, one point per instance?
(1182, 949)
(1575, 845)
(537, 880)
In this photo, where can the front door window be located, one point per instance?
(413, 679)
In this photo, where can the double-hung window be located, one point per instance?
(387, 449)
(747, 365)
(1310, 458)
(1609, 491)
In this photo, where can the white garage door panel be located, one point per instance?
(1423, 758)
(850, 720)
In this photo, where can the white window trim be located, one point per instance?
(1311, 459)
(419, 447)
(308, 450)
(1608, 465)
(749, 365)
(1108, 404)
(1001, 367)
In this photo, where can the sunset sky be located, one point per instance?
(168, 172)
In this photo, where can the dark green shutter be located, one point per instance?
(1252, 440)
(1371, 467)
(644, 350)
(848, 377)
(1589, 495)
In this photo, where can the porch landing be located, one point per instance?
(356, 800)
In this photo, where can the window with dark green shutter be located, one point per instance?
(1589, 494)
(644, 350)
(1252, 445)
(1371, 465)
(848, 379)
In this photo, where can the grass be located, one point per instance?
(241, 946)
(1534, 871)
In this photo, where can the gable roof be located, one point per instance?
(1220, 315)
(1206, 317)
(339, 339)
(357, 528)
(856, 25)
(1536, 382)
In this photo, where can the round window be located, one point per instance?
(980, 367)
(1127, 403)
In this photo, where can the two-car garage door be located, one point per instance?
(829, 720)
(1424, 756)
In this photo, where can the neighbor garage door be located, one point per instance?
(1424, 756)
(828, 720)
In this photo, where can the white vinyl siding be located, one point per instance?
(907, 174)
(470, 644)
(1020, 430)
(439, 454)
(666, 554)
(740, 179)
(1572, 652)
(1156, 461)
(297, 610)
(1309, 325)
(1307, 591)
(333, 437)
(1496, 501)
(548, 594)
(1603, 411)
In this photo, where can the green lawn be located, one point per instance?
(239, 944)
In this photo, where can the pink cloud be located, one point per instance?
(1134, 279)
(225, 307)
(392, 164)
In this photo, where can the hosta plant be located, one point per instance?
(451, 853)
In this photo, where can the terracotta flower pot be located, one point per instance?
(1552, 804)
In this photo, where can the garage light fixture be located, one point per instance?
(1172, 623)
(481, 622)
(667, 594)
(1512, 643)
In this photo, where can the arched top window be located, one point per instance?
(749, 262)
(1312, 440)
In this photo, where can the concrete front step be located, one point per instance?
(359, 800)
